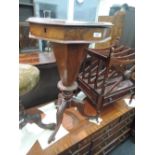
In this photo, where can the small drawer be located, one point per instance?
(124, 129)
(125, 116)
(85, 141)
(100, 139)
(127, 121)
(114, 123)
(97, 149)
(132, 112)
(85, 149)
(122, 138)
(99, 133)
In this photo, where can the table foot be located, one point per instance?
(59, 116)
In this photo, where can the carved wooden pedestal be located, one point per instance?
(69, 42)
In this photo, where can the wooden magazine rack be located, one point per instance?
(107, 75)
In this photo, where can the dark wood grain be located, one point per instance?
(117, 119)
(69, 58)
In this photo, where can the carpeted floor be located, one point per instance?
(125, 148)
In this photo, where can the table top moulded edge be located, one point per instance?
(68, 23)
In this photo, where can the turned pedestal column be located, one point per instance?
(69, 41)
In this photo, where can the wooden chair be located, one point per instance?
(106, 75)
(117, 29)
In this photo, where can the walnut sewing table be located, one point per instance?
(69, 40)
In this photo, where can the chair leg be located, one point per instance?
(59, 116)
